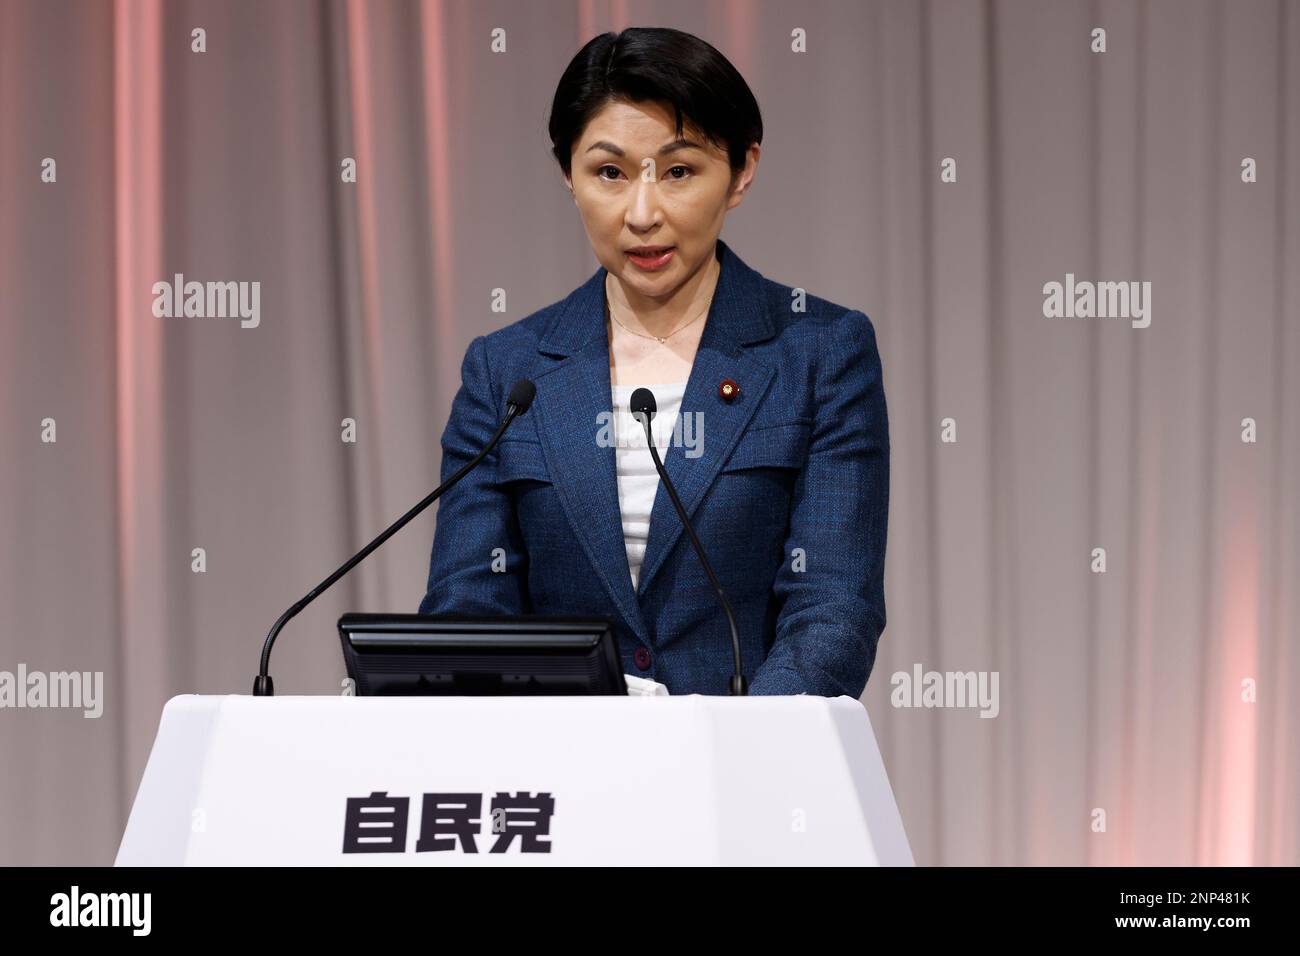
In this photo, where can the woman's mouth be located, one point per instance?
(651, 258)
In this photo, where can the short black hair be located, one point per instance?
(656, 64)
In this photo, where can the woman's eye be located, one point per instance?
(600, 173)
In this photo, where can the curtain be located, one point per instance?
(1147, 713)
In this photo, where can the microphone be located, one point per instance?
(643, 407)
(519, 401)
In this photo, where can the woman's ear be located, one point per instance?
(740, 181)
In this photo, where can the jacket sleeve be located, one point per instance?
(467, 575)
(832, 589)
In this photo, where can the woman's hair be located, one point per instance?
(656, 64)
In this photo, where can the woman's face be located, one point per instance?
(636, 185)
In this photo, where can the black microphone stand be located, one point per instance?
(521, 397)
(643, 407)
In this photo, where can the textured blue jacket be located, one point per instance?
(789, 496)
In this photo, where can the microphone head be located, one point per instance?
(643, 403)
(522, 394)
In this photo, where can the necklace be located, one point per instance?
(660, 339)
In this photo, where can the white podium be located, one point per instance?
(692, 780)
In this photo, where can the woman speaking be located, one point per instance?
(770, 410)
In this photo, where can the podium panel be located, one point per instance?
(474, 781)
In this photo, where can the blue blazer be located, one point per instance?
(789, 497)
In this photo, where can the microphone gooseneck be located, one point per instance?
(519, 401)
(643, 407)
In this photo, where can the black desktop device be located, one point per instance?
(416, 655)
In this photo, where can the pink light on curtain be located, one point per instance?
(619, 18)
(363, 132)
(741, 43)
(1226, 831)
(586, 22)
(137, 135)
(437, 131)
(589, 20)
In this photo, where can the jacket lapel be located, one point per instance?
(738, 316)
(570, 400)
(572, 397)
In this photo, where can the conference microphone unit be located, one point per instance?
(520, 399)
(643, 408)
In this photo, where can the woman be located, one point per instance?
(780, 452)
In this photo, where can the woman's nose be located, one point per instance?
(643, 207)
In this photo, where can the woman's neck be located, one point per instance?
(659, 317)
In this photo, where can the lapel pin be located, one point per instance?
(728, 390)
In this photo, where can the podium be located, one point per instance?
(532, 781)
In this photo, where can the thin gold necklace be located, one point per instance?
(660, 339)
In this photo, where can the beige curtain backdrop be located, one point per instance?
(1120, 693)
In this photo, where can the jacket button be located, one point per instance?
(641, 657)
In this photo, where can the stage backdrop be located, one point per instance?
(936, 165)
